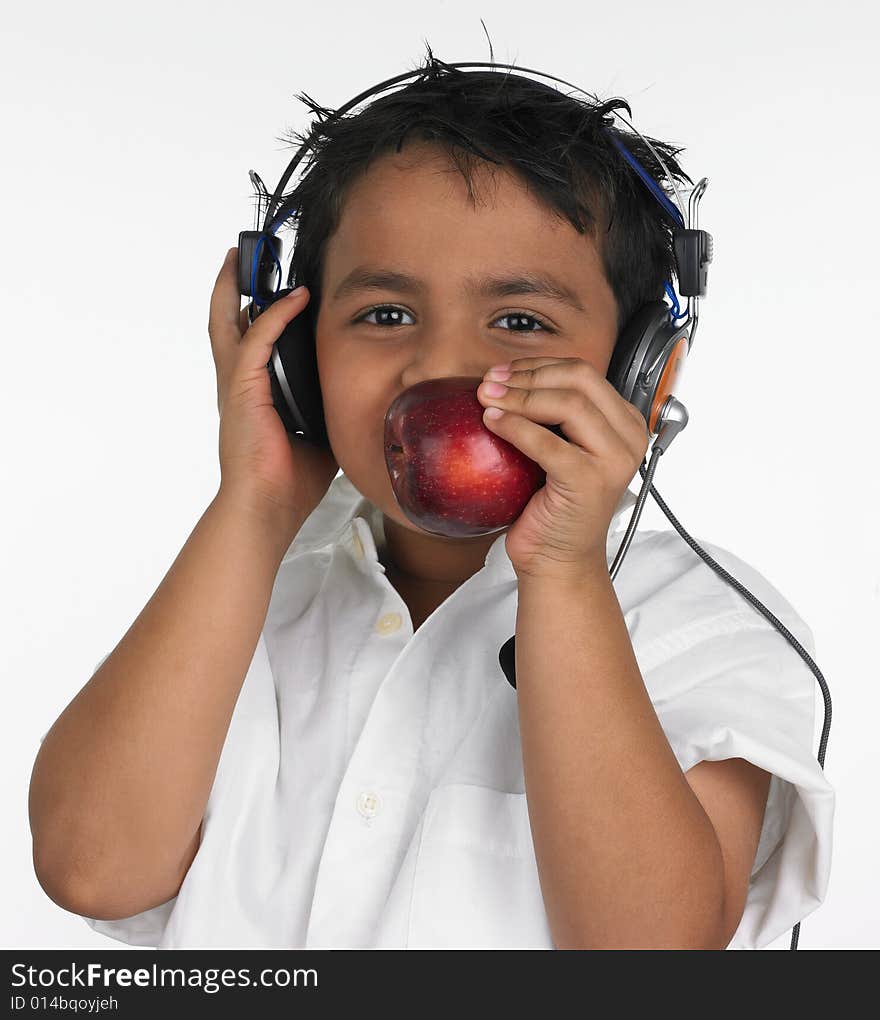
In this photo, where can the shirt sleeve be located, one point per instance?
(734, 687)
(143, 929)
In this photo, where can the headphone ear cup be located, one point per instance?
(632, 343)
(650, 334)
(294, 380)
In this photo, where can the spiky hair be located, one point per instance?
(556, 143)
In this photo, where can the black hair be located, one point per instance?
(555, 143)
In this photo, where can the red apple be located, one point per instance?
(450, 474)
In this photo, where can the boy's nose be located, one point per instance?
(447, 370)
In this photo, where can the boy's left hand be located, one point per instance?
(563, 530)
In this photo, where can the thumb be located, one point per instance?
(256, 347)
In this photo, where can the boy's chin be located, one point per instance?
(400, 518)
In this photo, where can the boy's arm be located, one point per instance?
(630, 853)
(121, 781)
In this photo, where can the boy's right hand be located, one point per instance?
(283, 475)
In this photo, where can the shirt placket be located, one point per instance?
(377, 806)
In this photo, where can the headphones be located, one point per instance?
(645, 368)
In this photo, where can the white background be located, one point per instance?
(128, 131)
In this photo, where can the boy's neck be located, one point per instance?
(430, 562)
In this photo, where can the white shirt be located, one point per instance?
(370, 790)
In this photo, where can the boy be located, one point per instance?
(306, 738)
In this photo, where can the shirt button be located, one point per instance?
(368, 804)
(389, 622)
(358, 546)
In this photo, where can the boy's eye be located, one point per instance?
(519, 316)
(396, 312)
(382, 309)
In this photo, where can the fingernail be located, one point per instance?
(297, 290)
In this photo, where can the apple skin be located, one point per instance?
(450, 474)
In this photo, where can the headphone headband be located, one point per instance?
(677, 214)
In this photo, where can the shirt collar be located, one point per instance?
(346, 518)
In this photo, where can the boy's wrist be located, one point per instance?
(279, 525)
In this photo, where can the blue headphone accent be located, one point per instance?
(649, 181)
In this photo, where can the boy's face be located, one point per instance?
(410, 213)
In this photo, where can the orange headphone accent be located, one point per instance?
(669, 381)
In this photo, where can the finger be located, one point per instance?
(223, 315)
(545, 448)
(223, 303)
(256, 345)
(521, 364)
(577, 374)
(582, 422)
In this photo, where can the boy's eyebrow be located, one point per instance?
(523, 282)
